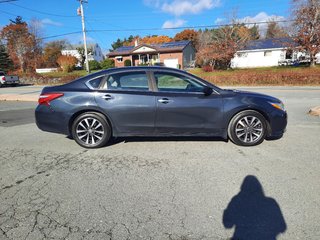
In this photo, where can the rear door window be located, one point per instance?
(131, 81)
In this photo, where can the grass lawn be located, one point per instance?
(277, 76)
(282, 76)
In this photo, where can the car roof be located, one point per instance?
(143, 68)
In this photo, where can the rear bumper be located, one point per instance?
(10, 82)
(51, 121)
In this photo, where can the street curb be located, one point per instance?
(15, 97)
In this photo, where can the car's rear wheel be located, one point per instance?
(247, 128)
(91, 130)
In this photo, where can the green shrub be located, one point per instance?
(94, 65)
(127, 63)
(107, 63)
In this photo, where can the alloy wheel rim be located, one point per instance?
(249, 129)
(90, 131)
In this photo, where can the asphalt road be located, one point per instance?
(51, 188)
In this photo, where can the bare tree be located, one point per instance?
(218, 46)
(306, 14)
(275, 31)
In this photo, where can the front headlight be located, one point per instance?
(279, 105)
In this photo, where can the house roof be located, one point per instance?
(163, 47)
(274, 43)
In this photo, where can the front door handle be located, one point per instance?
(107, 97)
(164, 100)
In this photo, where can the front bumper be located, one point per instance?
(278, 124)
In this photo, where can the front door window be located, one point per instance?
(172, 82)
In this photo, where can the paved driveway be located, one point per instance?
(50, 188)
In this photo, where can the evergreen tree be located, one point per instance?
(254, 32)
(6, 63)
(275, 31)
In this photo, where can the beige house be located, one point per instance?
(172, 54)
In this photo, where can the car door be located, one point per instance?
(126, 99)
(183, 108)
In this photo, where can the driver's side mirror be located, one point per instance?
(207, 91)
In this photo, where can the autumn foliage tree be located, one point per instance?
(21, 44)
(155, 39)
(67, 62)
(52, 51)
(218, 46)
(307, 27)
(187, 34)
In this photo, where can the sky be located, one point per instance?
(112, 19)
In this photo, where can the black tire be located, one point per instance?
(87, 132)
(251, 134)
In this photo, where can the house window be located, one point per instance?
(268, 53)
(242, 55)
(119, 59)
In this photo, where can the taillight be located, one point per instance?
(45, 99)
(3, 78)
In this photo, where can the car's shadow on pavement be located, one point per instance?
(252, 214)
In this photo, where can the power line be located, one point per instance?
(44, 13)
(5, 1)
(172, 28)
(59, 35)
(188, 27)
(158, 29)
(11, 14)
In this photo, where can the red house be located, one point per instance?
(172, 54)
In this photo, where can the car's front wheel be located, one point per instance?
(91, 130)
(247, 128)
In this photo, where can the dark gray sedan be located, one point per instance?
(156, 101)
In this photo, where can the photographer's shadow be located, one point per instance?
(253, 215)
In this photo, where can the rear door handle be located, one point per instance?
(107, 97)
(164, 100)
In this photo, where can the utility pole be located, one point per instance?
(84, 33)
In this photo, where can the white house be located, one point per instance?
(268, 53)
(94, 52)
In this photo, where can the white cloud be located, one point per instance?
(173, 23)
(78, 39)
(48, 21)
(182, 7)
(219, 20)
(179, 8)
(262, 17)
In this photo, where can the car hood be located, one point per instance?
(252, 94)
